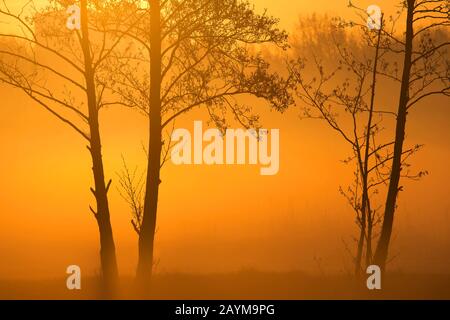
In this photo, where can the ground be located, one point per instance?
(242, 285)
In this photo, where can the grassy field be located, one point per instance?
(242, 285)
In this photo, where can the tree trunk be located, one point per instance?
(381, 253)
(369, 239)
(367, 206)
(148, 226)
(366, 216)
(107, 247)
(360, 248)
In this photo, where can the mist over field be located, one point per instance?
(222, 229)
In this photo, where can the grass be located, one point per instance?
(242, 285)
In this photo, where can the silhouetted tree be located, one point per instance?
(187, 54)
(59, 69)
(131, 189)
(425, 73)
(345, 99)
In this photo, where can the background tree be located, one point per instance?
(201, 53)
(59, 69)
(345, 99)
(425, 73)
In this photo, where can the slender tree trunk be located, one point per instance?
(362, 235)
(369, 215)
(366, 216)
(381, 253)
(148, 227)
(369, 254)
(107, 247)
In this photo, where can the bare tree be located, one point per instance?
(425, 73)
(132, 184)
(195, 54)
(59, 69)
(345, 99)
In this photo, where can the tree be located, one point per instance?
(425, 73)
(345, 99)
(199, 54)
(59, 69)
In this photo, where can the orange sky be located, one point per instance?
(210, 218)
(288, 10)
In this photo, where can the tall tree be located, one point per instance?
(58, 68)
(199, 53)
(423, 52)
(425, 73)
